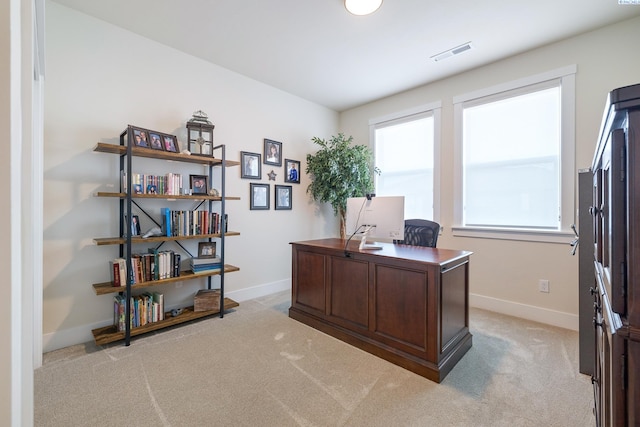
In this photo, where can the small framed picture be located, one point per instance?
(206, 249)
(250, 166)
(155, 141)
(293, 171)
(140, 137)
(283, 197)
(259, 196)
(170, 143)
(272, 152)
(199, 184)
(135, 224)
(152, 189)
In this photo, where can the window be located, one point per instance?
(405, 153)
(516, 156)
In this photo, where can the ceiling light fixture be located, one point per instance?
(362, 7)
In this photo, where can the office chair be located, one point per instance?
(420, 232)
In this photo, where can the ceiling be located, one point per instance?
(316, 50)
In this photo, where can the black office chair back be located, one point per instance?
(420, 232)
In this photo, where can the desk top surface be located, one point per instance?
(391, 250)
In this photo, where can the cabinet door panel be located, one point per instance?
(618, 222)
(310, 290)
(350, 291)
(401, 305)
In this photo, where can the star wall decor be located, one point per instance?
(272, 175)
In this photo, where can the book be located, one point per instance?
(205, 261)
(159, 299)
(118, 272)
(166, 221)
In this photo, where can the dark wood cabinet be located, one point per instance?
(406, 304)
(616, 225)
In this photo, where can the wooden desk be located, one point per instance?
(406, 304)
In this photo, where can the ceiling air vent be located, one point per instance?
(451, 52)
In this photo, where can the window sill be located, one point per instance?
(544, 236)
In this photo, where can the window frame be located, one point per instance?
(433, 109)
(565, 77)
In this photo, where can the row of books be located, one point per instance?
(146, 267)
(201, 265)
(168, 184)
(192, 223)
(145, 308)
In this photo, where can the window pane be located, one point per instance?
(511, 150)
(404, 153)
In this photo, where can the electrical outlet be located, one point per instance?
(543, 285)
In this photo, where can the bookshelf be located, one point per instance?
(128, 244)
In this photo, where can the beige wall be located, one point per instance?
(504, 274)
(100, 79)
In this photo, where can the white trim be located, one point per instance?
(515, 84)
(260, 290)
(434, 110)
(420, 109)
(565, 77)
(561, 237)
(525, 311)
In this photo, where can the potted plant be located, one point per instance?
(340, 170)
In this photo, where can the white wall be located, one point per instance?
(504, 274)
(100, 79)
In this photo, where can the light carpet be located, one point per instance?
(258, 367)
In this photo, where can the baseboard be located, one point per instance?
(524, 311)
(82, 334)
(259, 291)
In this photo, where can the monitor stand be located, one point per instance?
(364, 246)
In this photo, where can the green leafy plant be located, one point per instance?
(340, 170)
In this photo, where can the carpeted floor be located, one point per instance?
(258, 367)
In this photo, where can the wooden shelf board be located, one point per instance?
(135, 240)
(121, 150)
(108, 288)
(168, 197)
(110, 334)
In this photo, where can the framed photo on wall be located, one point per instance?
(259, 196)
(250, 166)
(272, 152)
(283, 197)
(293, 171)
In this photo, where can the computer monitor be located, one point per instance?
(375, 219)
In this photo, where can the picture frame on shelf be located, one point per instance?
(259, 196)
(206, 249)
(199, 184)
(140, 137)
(282, 197)
(155, 141)
(272, 152)
(250, 167)
(170, 143)
(135, 225)
(293, 171)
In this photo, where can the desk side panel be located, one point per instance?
(454, 310)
